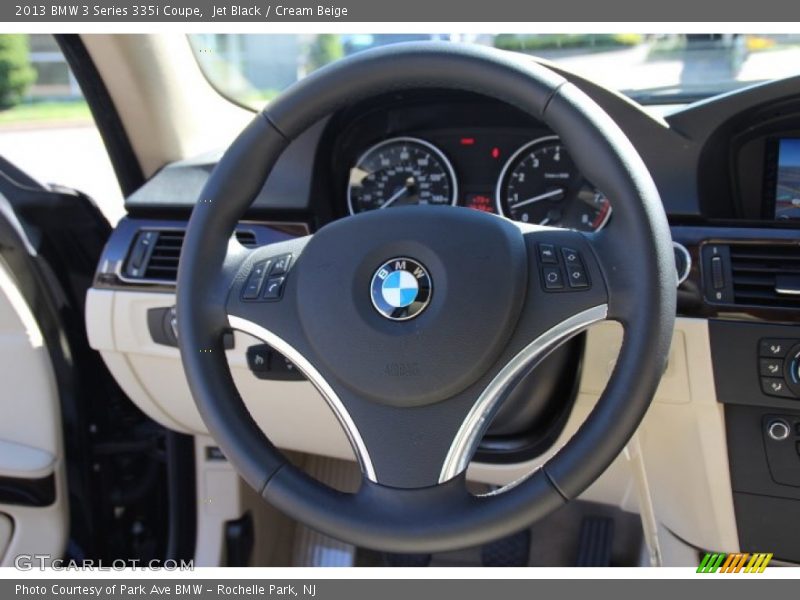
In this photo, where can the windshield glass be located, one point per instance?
(253, 68)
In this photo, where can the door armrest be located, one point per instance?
(18, 461)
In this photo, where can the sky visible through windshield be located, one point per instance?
(252, 68)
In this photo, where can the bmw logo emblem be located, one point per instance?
(401, 289)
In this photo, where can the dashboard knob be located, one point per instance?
(778, 430)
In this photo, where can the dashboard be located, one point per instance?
(728, 172)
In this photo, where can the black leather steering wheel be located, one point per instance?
(415, 322)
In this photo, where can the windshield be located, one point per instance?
(253, 68)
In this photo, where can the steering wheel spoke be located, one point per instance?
(566, 293)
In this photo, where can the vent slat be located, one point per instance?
(160, 269)
(753, 280)
(755, 269)
(162, 262)
(765, 269)
(757, 256)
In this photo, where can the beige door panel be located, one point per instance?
(25, 462)
(30, 430)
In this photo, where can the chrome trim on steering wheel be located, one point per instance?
(323, 387)
(473, 427)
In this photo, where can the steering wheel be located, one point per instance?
(415, 323)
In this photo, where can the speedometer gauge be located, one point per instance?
(399, 172)
(540, 184)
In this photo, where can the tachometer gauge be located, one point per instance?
(540, 184)
(399, 172)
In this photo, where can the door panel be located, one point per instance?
(33, 500)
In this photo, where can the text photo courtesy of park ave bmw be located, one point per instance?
(157, 590)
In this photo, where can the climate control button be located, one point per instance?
(770, 367)
(772, 386)
(774, 348)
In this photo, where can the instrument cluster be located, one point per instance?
(528, 177)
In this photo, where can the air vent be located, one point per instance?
(155, 254)
(766, 275)
(246, 238)
(162, 265)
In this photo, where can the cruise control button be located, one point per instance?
(547, 254)
(770, 367)
(775, 387)
(773, 348)
(553, 278)
(281, 264)
(284, 369)
(577, 276)
(252, 288)
(274, 288)
(571, 257)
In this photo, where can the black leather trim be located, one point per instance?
(639, 266)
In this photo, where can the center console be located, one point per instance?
(757, 377)
(745, 280)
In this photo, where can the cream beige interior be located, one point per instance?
(681, 443)
(30, 439)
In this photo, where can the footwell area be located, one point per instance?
(579, 534)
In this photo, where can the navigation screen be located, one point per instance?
(787, 191)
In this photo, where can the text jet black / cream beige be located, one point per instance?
(281, 11)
